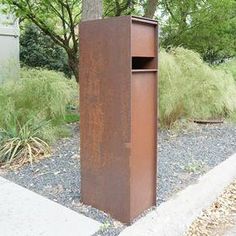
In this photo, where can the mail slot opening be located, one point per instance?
(143, 63)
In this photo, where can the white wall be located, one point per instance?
(9, 48)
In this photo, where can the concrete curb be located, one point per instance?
(25, 213)
(173, 217)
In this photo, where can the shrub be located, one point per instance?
(38, 50)
(32, 111)
(189, 88)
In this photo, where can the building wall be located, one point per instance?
(9, 48)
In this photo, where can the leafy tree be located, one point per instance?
(60, 19)
(208, 27)
(38, 50)
(57, 19)
(119, 7)
(146, 8)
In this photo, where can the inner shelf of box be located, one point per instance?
(143, 70)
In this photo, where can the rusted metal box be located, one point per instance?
(118, 104)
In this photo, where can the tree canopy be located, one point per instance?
(57, 19)
(206, 26)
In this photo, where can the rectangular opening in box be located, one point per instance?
(141, 63)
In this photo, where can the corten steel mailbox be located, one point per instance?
(118, 104)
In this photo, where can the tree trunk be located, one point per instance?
(73, 62)
(150, 8)
(91, 9)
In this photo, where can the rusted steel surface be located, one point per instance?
(143, 39)
(144, 20)
(143, 144)
(118, 138)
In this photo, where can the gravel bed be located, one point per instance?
(182, 159)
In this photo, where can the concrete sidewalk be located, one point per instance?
(25, 213)
(172, 218)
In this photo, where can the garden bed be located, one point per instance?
(182, 157)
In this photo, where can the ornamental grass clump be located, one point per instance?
(189, 88)
(230, 67)
(22, 144)
(32, 114)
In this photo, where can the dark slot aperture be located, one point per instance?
(143, 63)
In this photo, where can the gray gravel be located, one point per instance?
(182, 159)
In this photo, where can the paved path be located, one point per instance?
(25, 213)
(172, 218)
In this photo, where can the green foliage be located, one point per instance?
(118, 7)
(57, 19)
(230, 66)
(195, 166)
(22, 143)
(72, 118)
(190, 88)
(44, 92)
(207, 27)
(38, 50)
(33, 109)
